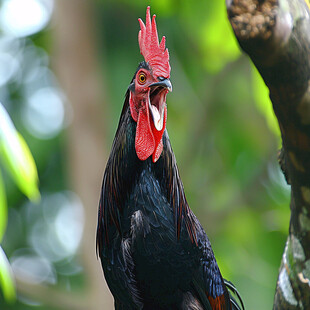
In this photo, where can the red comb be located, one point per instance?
(155, 54)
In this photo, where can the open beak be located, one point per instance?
(157, 101)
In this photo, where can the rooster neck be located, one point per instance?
(124, 157)
(124, 169)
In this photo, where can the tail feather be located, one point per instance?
(232, 289)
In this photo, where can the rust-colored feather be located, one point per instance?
(218, 303)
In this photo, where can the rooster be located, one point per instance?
(153, 250)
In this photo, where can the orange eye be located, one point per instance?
(142, 78)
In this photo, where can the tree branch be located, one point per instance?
(276, 36)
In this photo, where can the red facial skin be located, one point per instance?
(148, 139)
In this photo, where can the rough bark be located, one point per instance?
(276, 36)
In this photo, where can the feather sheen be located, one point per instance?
(154, 252)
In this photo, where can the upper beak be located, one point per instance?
(163, 83)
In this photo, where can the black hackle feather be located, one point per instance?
(154, 252)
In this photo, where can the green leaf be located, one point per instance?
(6, 278)
(3, 209)
(218, 43)
(17, 157)
(263, 103)
(209, 29)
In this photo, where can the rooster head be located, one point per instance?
(148, 91)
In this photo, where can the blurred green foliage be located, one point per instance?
(3, 208)
(263, 102)
(15, 156)
(221, 126)
(6, 278)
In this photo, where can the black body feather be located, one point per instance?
(154, 252)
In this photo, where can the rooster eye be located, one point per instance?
(142, 78)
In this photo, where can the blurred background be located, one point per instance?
(64, 69)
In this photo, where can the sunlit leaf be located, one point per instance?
(17, 158)
(211, 32)
(218, 43)
(6, 278)
(162, 7)
(3, 208)
(263, 103)
(29, 173)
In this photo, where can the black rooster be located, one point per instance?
(154, 252)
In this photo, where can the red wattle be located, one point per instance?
(145, 142)
(158, 151)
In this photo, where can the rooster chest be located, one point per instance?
(161, 260)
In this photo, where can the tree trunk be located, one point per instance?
(74, 60)
(276, 36)
(76, 64)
